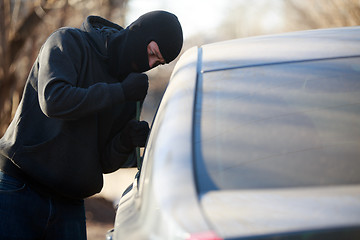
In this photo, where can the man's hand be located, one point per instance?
(135, 86)
(135, 134)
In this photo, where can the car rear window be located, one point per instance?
(278, 126)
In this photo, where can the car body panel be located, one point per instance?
(166, 202)
(260, 212)
(163, 209)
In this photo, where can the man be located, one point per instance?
(76, 122)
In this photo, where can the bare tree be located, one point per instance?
(24, 26)
(249, 18)
(13, 38)
(310, 14)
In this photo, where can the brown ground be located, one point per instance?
(100, 215)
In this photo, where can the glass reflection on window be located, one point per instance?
(286, 125)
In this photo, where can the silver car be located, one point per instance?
(255, 138)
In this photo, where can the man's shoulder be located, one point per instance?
(67, 32)
(69, 40)
(66, 36)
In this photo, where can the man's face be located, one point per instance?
(154, 55)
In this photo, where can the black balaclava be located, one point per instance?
(128, 48)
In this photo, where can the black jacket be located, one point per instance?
(66, 130)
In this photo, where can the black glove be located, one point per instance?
(135, 86)
(135, 134)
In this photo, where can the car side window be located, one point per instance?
(285, 125)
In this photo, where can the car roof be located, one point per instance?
(281, 48)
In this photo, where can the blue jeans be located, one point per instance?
(27, 215)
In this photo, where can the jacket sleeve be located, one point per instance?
(117, 156)
(60, 67)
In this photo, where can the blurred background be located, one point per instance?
(25, 25)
